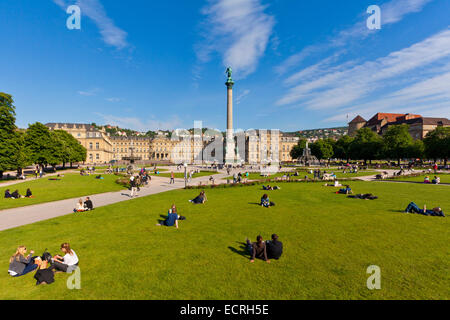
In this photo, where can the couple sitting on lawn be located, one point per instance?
(265, 202)
(265, 250)
(86, 206)
(414, 208)
(346, 190)
(16, 194)
(172, 218)
(20, 265)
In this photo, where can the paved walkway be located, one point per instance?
(12, 218)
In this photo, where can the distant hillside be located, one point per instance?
(324, 133)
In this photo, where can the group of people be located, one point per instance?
(46, 265)
(436, 180)
(87, 205)
(269, 187)
(17, 195)
(265, 250)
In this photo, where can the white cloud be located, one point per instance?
(89, 93)
(239, 30)
(391, 12)
(113, 99)
(93, 9)
(349, 85)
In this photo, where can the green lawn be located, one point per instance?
(70, 186)
(329, 241)
(445, 178)
(302, 174)
(180, 175)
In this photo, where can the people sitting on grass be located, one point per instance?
(366, 196)
(436, 180)
(414, 208)
(8, 194)
(68, 263)
(29, 194)
(43, 275)
(79, 207)
(88, 205)
(265, 202)
(20, 265)
(426, 180)
(99, 177)
(269, 187)
(274, 248)
(16, 195)
(200, 199)
(346, 190)
(172, 218)
(257, 249)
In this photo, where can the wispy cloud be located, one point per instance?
(239, 30)
(89, 93)
(348, 85)
(113, 99)
(93, 9)
(240, 97)
(139, 124)
(391, 12)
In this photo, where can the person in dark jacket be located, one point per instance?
(29, 194)
(8, 194)
(16, 195)
(257, 249)
(274, 248)
(88, 204)
(43, 275)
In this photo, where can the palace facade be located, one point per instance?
(418, 126)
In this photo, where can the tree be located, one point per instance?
(416, 150)
(297, 150)
(322, 149)
(40, 144)
(21, 157)
(342, 148)
(437, 144)
(366, 145)
(8, 133)
(397, 142)
(72, 151)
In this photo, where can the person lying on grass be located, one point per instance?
(268, 187)
(347, 190)
(414, 208)
(172, 218)
(200, 199)
(257, 249)
(68, 263)
(436, 180)
(43, 275)
(19, 265)
(367, 196)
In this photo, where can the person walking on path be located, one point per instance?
(172, 178)
(133, 185)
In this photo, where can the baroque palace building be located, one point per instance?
(418, 126)
(261, 146)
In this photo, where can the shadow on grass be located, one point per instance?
(242, 250)
(255, 203)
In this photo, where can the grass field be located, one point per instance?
(180, 175)
(445, 178)
(70, 186)
(329, 241)
(302, 174)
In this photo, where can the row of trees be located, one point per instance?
(36, 145)
(396, 144)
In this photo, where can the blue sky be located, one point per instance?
(161, 64)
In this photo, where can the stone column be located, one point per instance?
(230, 145)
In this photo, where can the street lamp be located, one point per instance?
(185, 175)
